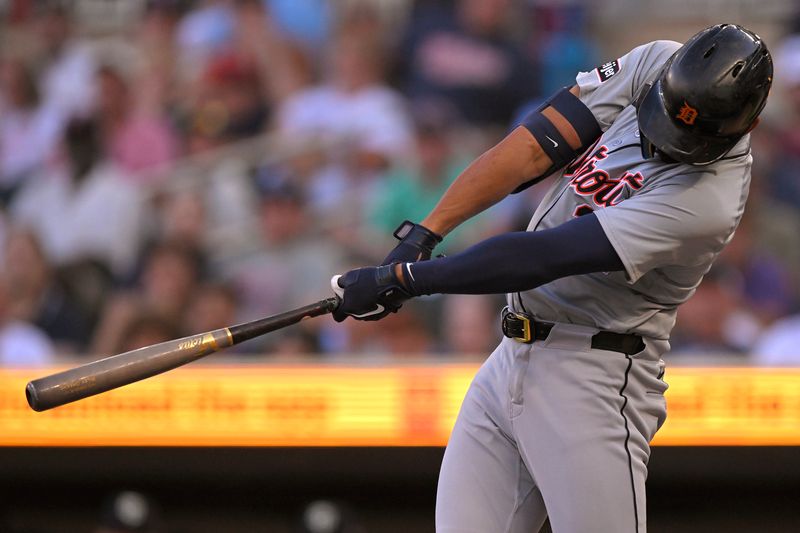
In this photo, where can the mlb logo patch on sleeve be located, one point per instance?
(607, 70)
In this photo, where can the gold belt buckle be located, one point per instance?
(526, 329)
(526, 326)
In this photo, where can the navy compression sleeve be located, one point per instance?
(518, 261)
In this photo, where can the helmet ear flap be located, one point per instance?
(648, 148)
(637, 102)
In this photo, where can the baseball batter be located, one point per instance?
(651, 162)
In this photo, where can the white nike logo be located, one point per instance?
(555, 144)
(408, 268)
(375, 311)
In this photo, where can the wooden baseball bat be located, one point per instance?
(122, 369)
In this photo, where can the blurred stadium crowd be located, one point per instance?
(173, 166)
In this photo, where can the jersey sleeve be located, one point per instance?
(613, 86)
(683, 222)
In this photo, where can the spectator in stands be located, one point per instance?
(305, 21)
(405, 334)
(29, 131)
(402, 334)
(230, 104)
(284, 65)
(356, 112)
(779, 345)
(784, 182)
(465, 56)
(768, 234)
(564, 46)
(765, 282)
(713, 322)
(182, 217)
(155, 41)
(144, 329)
(291, 265)
(66, 82)
(84, 208)
(36, 296)
(412, 189)
(204, 32)
(300, 341)
(21, 343)
(211, 306)
(136, 139)
(169, 277)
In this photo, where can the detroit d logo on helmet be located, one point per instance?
(687, 114)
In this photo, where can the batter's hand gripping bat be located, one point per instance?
(118, 370)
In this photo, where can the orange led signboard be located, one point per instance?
(365, 406)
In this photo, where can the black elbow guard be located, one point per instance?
(550, 138)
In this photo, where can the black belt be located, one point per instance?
(522, 328)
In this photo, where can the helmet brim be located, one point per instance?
(681, 144)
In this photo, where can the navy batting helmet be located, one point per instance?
(707, 96)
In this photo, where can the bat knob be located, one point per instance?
(32, 397)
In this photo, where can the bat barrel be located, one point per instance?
(118, 370)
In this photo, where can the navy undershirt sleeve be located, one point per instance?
(518, 261)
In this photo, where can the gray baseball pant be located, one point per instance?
(554, 428)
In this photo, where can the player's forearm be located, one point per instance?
(517, 261)
(489, 179)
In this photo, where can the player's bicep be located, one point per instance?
(674, 225)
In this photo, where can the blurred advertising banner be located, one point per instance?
(250, 405)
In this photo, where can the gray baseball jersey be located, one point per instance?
(667, 222)
(559, 427)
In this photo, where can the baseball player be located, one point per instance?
(651, 161)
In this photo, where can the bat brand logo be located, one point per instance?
(687, 114)
(190, 343)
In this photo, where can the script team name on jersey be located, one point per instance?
(595, 183)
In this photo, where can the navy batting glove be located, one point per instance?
(416, 244)
(369, 293)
